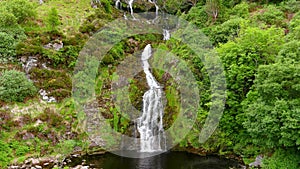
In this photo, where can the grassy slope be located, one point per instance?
(72, 12)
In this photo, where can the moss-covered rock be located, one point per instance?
(58, 83)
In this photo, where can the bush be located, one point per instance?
(291, 6)
(22, 9)
(7, 19)
(198, 16)
(14, 86)
(295, 22)
(272, 16)
(17, 32)
(53, 19)
(282, 159)
(7, 47)
(241, 10)
(226, 31)
(5, 154)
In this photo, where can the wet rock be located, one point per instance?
(81, 167)
(30, 63)
(35, 161)
(75, 155)
(38, 167)
(55, 46)
(46, 164)
(44, 94)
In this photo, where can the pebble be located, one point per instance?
(38, 167)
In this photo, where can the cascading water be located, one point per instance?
(150, 124)
(166, 34)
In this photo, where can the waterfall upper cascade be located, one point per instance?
(150, 124)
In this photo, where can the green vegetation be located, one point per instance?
(257, 41)
(53, 19)
(14, 86)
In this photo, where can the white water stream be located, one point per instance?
(150, 124)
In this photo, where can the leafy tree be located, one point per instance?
(226, 31)
(241, 58)
(272, 16)
(241, 10)
(14, 86)
(197, 15)
(53, 19)
(212, 8)
(272, 108)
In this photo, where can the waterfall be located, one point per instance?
(150, 124)
(117, 4)
(131, 9)
(166, 34)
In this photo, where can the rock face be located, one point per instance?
(54, 46)
(257, 162)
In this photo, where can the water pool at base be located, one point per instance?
(168, 160)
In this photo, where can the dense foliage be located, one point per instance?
(258, 42)
(14, 86)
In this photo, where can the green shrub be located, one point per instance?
(19, 148)
(5, 154)
(241, 10)
(22, 9)
(53, 19)
(7, 19)
(107, 6)
(14, 86)
(295, 22)
(226, 31)
(7, 47)
(291, 6)
(17, 32)
(198, 16)
(272, 16)
(282, 159)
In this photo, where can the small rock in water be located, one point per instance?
(35, 161)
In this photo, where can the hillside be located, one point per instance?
(45, 47)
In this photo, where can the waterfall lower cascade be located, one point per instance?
(150, 124)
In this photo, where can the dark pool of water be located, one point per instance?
(169, 160)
